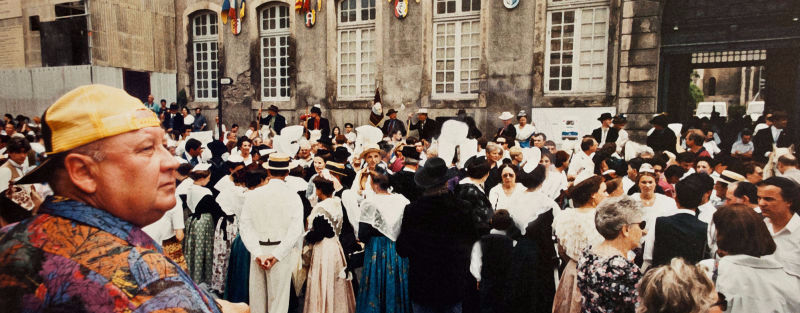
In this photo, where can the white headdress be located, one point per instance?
(287, 141)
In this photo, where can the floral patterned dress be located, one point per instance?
(608, 284)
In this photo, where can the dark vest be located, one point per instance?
(681, 235)
(494, 288)
(497, 250)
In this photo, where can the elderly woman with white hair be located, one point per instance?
(607, 276)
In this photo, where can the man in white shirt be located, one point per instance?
(745, 147)
(582, 164)
(778, 199)
(23, 195)
(271, 227)
(622, 138)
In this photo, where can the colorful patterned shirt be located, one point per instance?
(76, 258)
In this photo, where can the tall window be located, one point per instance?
(577, 51)
(274, 33)
(456, 47)
(204, 44)
(356, 49)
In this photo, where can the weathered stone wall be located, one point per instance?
(638, 65)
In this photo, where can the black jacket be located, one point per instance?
(762, 142)
(680, 235)
(612, 136)
(391, 126)
(324, 126)
(428, 129)
(280, 122)
(174, 121)
(403, 183)
(437, 236)
(479, 206)
(509, 132)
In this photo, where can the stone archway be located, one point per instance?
(658, 39)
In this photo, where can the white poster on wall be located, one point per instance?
(562, 124)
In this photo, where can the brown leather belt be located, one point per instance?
(269, 243)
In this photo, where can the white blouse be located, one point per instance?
(575, 231)
(498, 197)
(525, 132)
(526, 206)
(662, 206)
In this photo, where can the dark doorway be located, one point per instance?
(746, 34)
(136, 83)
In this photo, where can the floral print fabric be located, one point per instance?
(76, 258)
(607, 284)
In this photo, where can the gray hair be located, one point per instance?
(613, 213)
(491, 146)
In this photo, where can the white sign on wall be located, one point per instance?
(560, 124)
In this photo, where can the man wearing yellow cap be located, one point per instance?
(85, 250)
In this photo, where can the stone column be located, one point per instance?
(638, 67)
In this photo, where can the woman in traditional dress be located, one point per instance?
(524, 130)
(575, 231)
(199, 244)
(384, 280)
(230, 201)
(328, 287)
(501, 194)
(532, 264)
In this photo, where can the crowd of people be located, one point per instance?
(118, 207)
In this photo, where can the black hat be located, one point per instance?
(660, 119)
(217, 148)
(620, 119)
(605, 116)
(173, 106)
(341, 154)
(391, 111)
(410, 152)
(273, 108)
(316, 110)
(433, 173)
(323, 153)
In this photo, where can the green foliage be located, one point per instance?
(736, 110)
(695, 93)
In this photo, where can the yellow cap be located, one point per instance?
(85, 115)
(90, 113)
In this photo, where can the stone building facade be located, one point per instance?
(53, 46)
(444, 55)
